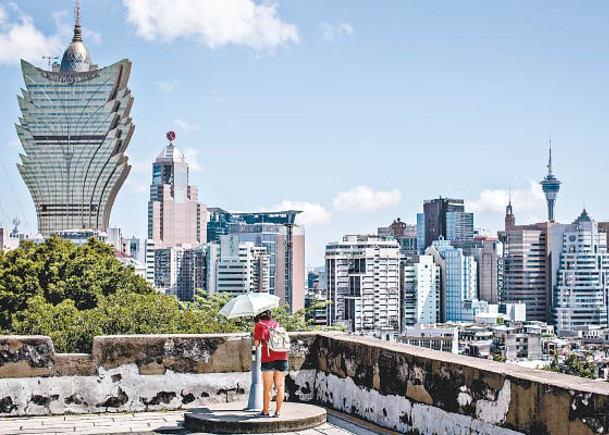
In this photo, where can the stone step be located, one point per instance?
(232, 418)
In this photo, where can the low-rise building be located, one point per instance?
(444, 337)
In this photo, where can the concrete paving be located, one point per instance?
(231, 418)
(153, 423)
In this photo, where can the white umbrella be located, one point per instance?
(249, 304)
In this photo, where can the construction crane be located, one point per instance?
(50, 58)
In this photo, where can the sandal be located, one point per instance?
(263, 414)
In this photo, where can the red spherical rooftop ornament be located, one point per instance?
(171, 136)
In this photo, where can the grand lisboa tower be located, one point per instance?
(75, 128)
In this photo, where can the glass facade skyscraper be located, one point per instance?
(433, 224)
(284, 242)
(74, 129)
(460, 285)
(459, 225)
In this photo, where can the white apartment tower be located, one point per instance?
(422, 285)
(363, 282)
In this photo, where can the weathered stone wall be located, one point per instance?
(129, 373)
(123, 373)
(408, 389)
(421, 391)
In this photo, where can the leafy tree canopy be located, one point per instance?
(572, 365)
(58, 270)
(74, 293)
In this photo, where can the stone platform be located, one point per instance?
(231, 418)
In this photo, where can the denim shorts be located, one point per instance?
(279, 365)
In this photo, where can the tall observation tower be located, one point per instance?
(75, 128)
(550, 186)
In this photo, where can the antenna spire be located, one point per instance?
(77, 13)
(550, 156)
(77, 29)
(508, 209)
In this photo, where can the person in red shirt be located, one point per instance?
(274, 365)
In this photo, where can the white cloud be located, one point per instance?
(312, 214)
(191, 156)
(20, 39)
(65, 29)
(332, 32)
(529, 203)
(213, 23)
(92, 36)
(165, 86)
(366, 199)
(186, 126)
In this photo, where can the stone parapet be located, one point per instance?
(410, 389)
(404, 388)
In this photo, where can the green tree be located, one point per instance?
(499, 358)
(74, 293)
(572, 365)
(57, 270)
(70, 329)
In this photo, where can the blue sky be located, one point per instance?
(353, 111)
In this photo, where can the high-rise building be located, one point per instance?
(550, 186)
(487, 251)
(238, 267)
(459, 225)
(490, 270)
(422, 286)
(433, 221)
(363, 284)
(604, 228)
(175, 217)
(75, 128)
(459, 281)
(283, 240)
(180, 271)
(405, 234)
(527, 269)
(420, 233)
(581, 289)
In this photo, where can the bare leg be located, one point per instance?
(279, 378)
(267, 386)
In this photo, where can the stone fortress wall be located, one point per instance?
(404, 388)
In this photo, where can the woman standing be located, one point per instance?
(274, 364)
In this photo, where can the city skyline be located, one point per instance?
(345, 111)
